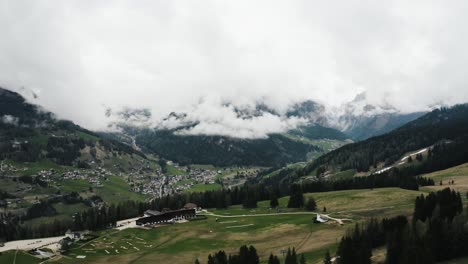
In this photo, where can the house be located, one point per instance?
(321, 218)
(76, 236)
(16, 145)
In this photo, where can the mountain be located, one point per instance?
(360, 120)
(277, 149)
(224, 151)
(325, 129)
(364, 127)
(171, 141)
(441, 125)
(29, 133)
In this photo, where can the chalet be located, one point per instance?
(166, 217)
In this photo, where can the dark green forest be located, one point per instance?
(224, 151)
(446, 124)
(436, 233)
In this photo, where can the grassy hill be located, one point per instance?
(268, 230)
(228, 229)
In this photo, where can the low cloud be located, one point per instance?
(80, 59)
(213, 118)
(10, 120)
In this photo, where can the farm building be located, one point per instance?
(166, 217)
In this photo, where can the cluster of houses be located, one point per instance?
(162, 185)
(94, 176)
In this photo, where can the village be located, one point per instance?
(161, 184)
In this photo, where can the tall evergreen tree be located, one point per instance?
(327, 258)
(273, 259)
(274, 201)
(311, 205)
(302, 260)
(296, 198)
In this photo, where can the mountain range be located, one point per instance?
(322, 130)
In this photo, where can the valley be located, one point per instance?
(79, 196)
(185, 242)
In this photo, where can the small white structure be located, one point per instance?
(321, 218)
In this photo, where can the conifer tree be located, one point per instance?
(327, 259)
(302, 259)
(273, 259)
(296, 198)
(311, 205)
(274, 201)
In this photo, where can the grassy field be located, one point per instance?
(183, 243)
(171, 170)
(35, 167)
(64, 212)
(344, 175)
(235, 226)
(21, 258)
(115, 189)
(458, 174)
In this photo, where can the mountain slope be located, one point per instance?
(222, 151)
(364, 127)
(438, 125)
(361, 120)
(297, 145)
(29, 133)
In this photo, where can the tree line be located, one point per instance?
(248, 255)
(436, 233)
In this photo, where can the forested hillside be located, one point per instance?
(29, 134)
(441, 125)
(224, 151)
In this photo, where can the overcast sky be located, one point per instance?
(82, 57)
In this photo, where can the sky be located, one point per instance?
(85, 59)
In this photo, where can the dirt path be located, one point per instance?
(14, 259)
(338, 220)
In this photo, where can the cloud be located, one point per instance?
(81, 58)
(215, 118)
(10, 120)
